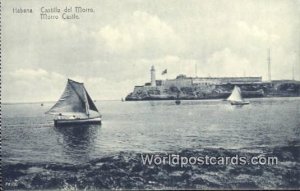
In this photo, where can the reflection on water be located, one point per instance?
(78, 141)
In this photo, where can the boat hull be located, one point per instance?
(239, 103)
(70, 122)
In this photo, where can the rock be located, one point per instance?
(137, 168)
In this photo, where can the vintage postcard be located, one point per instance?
(150, 94)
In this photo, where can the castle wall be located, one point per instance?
(147, 88)
(225, 80)
(205, 81)
(138, 88)
(212, 88)
(202, 83)
(187, 82)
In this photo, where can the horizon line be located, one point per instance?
(40, 102)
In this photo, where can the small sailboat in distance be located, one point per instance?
(75, 106)
(235, 97)
(177, 101)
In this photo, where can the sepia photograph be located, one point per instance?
(150, 94)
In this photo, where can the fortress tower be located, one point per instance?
(153, 83)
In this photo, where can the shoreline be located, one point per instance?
(197, 99)
(126, 170)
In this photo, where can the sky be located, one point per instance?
(113, 49)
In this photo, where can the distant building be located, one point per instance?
(210, 88)
(184, 81)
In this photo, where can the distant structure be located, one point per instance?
(211, 87)
(185, 87)
(192, 82)
(153, 79)
(269, 65)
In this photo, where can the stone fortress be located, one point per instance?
(191, 88)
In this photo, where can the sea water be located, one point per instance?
(31, 145)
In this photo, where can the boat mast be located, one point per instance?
(293, 72)
(196, 69)
(86, 101)
(269, 65)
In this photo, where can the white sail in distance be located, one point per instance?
(236, 95)
(75, 100)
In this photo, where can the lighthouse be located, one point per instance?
(153, 83)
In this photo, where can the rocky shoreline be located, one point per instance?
(126, 171)
(274, 89)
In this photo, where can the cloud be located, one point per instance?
(255, 33)
(141, 34)
(31, 85)
(101, 88)
(114, 40)
(113, 49)
(175, 65)
(227, 63)
(33, 74)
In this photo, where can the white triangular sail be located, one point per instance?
(74, 101)
(236, 95)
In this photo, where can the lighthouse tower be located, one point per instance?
(153, 83)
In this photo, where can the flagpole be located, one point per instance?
(165, 72)
(196, 75)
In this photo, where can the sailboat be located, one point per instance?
(236, 97)
(177, 101)
(75, 106)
